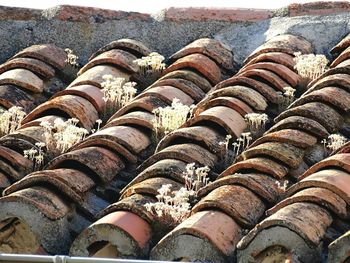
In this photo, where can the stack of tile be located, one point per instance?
(27, 77)
(82, 99)
(315, 209)
(219, 114)
(66, 197)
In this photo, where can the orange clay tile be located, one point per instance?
(49, 118)
(24, 79)
(18, 161)
(338, 80)
(276, 57)
(344, 55)
(11, 95)
(338, 250)
(138, 118)
(12, 174)
(341, 46)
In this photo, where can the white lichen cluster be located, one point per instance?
(172, 207)
(310, 66)
(10, 120)
(62, 135)
(116, 93)
(228, 155)
(256, 123)
(71, 59)
(334, 142)
(36, 155)
(170, 118)
(153, 63)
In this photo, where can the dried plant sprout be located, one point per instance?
(170, 118)
(256, 123)
(151, 67)
(36, 155)
(333, 143)
(10, 120)
(72, 59)
(310, 66)
(62, 135)
(172, 207)
(116, 93)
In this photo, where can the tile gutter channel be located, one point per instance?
(8, 258)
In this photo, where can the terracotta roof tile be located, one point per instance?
(338, 250)
(138, 118)
(341, 46)
(276, 57)
(24, 79)
(11, 95)
(344, 55)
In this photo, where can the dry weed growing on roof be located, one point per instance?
(333, 143)
(310, 66)
(71, 59)
(10, 120)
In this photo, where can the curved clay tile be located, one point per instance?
(149, 103)
(138, 118)
(187, 152)
(32, 134)
(283, 43)
(11, 95)
(16, 144)
(236, 104)
(268, 92)
(344, 55)
(189, 75)
(298, 227)
(200, 63)
(228, 119)
(327, 116)
(129, 227)
(94, 76)
(49, 118)
(130, 45)
(36, 66)
(262, 185)
(4, 181)
(321, 196)
(150, 187)
(288, 154)
(47, 53)
(91, 93)
(236, 201)
(266, 76)
(341, 46)
(186, 86)
(335, 180)
(212, 235)
(71, 105)
(167, 94)
(212, 48)
(248, 95)
(16, 160)
(102, 162)
(294, 137)
(115, 57)
(201, 135)
(24, 79)
(288, 75)
(338, 250)
(259, 164)
(12, 174)
(341, 80)
(301, 123)
(276, 57)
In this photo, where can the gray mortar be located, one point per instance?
(166, 36)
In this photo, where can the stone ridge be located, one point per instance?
(91, 14)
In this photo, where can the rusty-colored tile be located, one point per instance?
(11, 95)
(327, 116)
(339, 249)
(321, 196)
(236, 201)
(94, 76)
(167, 94)
(344, 55)
(24, 79)
(248, 95)
(36, 122)
(17, 161)
(103, 163)
(32, 134)
(200, 63)
(115, 57)
(211, 48)
(47, 53)
(71, 105)
(92, 93)
(334, 80)
(12, 174)
(230, 120)
(186, 86)
(285, 43)
(130, 45)
(291, 136)
(36, 66)
(341, 46)
(282, 71)
(276, 57)
(259, 164)
(187, 152)
(262, 185)
(201, 135)
(301, 123)
(288, 154)
(138, 118)
(189, 75)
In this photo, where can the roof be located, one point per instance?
(285, 197)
